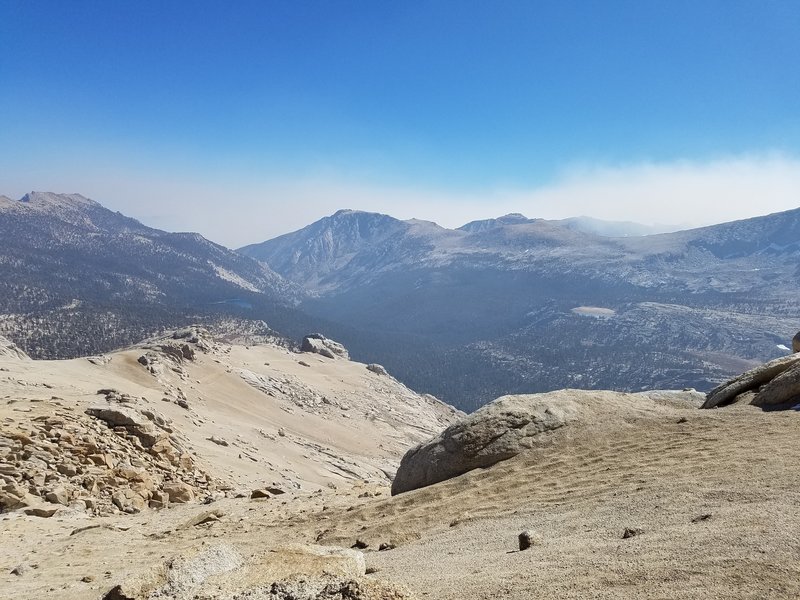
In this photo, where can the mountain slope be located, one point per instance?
(472, 314)
(77, 278)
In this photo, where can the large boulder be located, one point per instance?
(132, 420)
(319, 344)
(496, 432)
(796, 342)
(514, 424)
(783, 389)
(749, 381)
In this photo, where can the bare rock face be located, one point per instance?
(753, 380)
(9, 349)
(496, 432)
(319, 344)
(781, 390)
(796, 343)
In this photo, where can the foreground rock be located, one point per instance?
(796, 343)
(776, 383)
(513, 424)
(294, 572)
(319, 344)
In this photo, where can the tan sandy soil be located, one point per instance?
(715, 495)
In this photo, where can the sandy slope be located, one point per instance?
(364, 424)
(716, 495)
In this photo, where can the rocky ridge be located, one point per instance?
(132, 445)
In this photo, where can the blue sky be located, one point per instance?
(244, 120)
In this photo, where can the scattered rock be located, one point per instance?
(40, 511)
(701, 518)
(209, 516)
(631, 532)
(377, 369)
(386, 546)
(360, 545)
(57, 496)
(260, 493)
(319, 344)
(19, 570)
(218, 441)
(178, 492)
(527, 539)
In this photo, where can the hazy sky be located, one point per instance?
(247, 119)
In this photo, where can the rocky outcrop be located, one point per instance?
(514, 424)
(784, 389)
(378, 369)
(9, 349)
(755, 379)
(796, 343)
(319, 344)
(496, 432)
(114, 458)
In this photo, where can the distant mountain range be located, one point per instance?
(77, 278)
(500, 306)
(497, 306)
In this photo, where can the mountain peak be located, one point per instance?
(51, 199)
(486, 224)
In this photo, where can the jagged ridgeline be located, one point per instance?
(77, 279)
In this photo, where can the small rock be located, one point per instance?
(218, 441)
(303, 363)
(178, 492)
(360, 545)
(87, 578)
(19, 570)
(682, 420)
(371, 570)
(701, 518)
(631, 532)
(527, 539)
(386, 546)
(57, 496)
(261, 493)
(40, 511)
